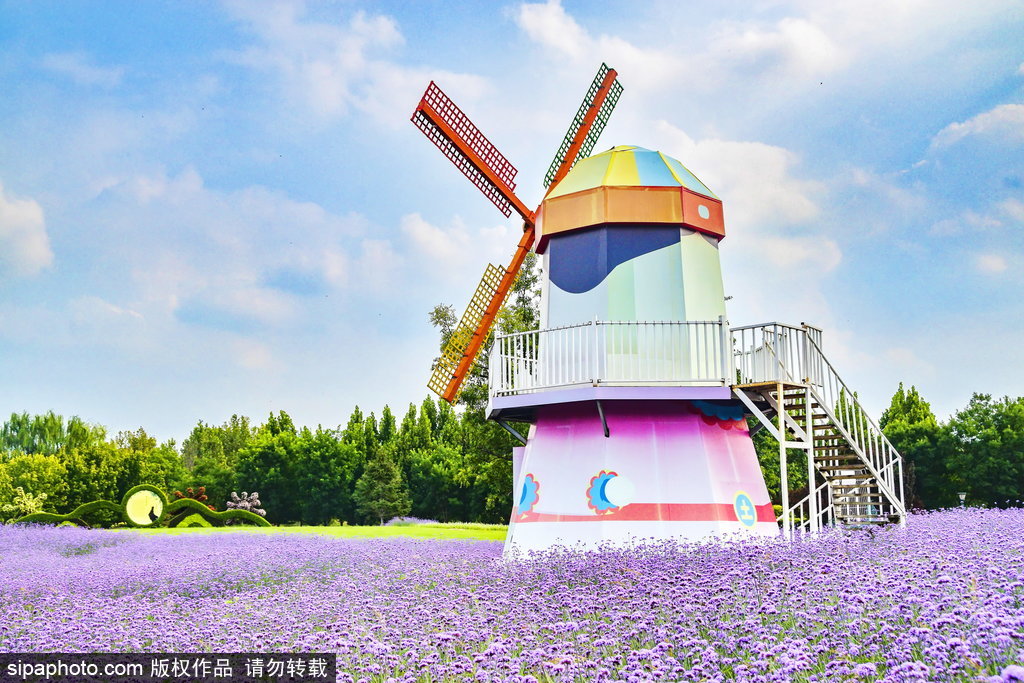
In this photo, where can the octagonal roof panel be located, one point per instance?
(629, 166)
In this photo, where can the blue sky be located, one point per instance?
(217, 208)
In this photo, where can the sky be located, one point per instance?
(210, 209)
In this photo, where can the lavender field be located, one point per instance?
(941, 600)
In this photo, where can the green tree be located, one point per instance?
(268, 465)
(911, 427)
(6, 489)
(353, 431)
(326, 470)
(387, 429)
(381, 493)
(37, 473)
(442, 485)
(211, 453)
(485, 445)
(22, 503)
(93, 472)
(47, 434)
(983, 450)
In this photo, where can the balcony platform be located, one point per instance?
(523, 407)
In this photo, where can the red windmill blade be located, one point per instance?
(461, 141)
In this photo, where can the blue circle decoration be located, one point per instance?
(597, 500)
(704, 212)
(529, 496)
(746, 513)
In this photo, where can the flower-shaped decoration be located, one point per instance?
(725, 415)
(597, 496)
(529, 496)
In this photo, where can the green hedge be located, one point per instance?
(167, 515)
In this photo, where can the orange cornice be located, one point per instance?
(625, 205)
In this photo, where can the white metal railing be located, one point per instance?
(785, 353)
(805, 517)
(775, 352)
(612, 353)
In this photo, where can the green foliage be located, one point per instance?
(269, 464)
(47, 434)
(912, 429)
(103, 511)
(210, 456)
(440, 483)
(38, 473)
(381, 493)
(326, 469)
(176, 507)
(767, 449)
(982, 448)
(6, 490)
(23, 503)
(190, 520)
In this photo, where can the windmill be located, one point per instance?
(636, 389)
(450, 129)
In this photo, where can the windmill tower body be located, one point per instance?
(630, 253)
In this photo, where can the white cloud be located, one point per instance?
(333, 68)
(808, 256)
(1014, 209)
(755, 180)
(456, 247)
(243, 257)
(93, 320)
(990, 264)
(378, 267)
(793, 47)
(79, 67)
(24, 244)
(552, 27)
(1004, 122)
(252, 355)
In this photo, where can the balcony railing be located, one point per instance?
(673, 353)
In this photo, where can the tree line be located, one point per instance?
(436, 462)
(433, 463)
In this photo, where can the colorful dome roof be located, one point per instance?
(629, 166)
(628, 186)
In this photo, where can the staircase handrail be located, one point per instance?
(823, 510)
(874, 463)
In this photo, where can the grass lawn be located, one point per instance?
(450, 531)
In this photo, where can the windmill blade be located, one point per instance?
(587, 125)
(470, 334)
(450, 129)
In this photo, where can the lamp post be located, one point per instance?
(963, 496)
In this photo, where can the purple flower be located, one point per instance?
(1013, 673)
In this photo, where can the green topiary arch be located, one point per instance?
(146, 507)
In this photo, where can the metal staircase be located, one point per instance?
(855, 476)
